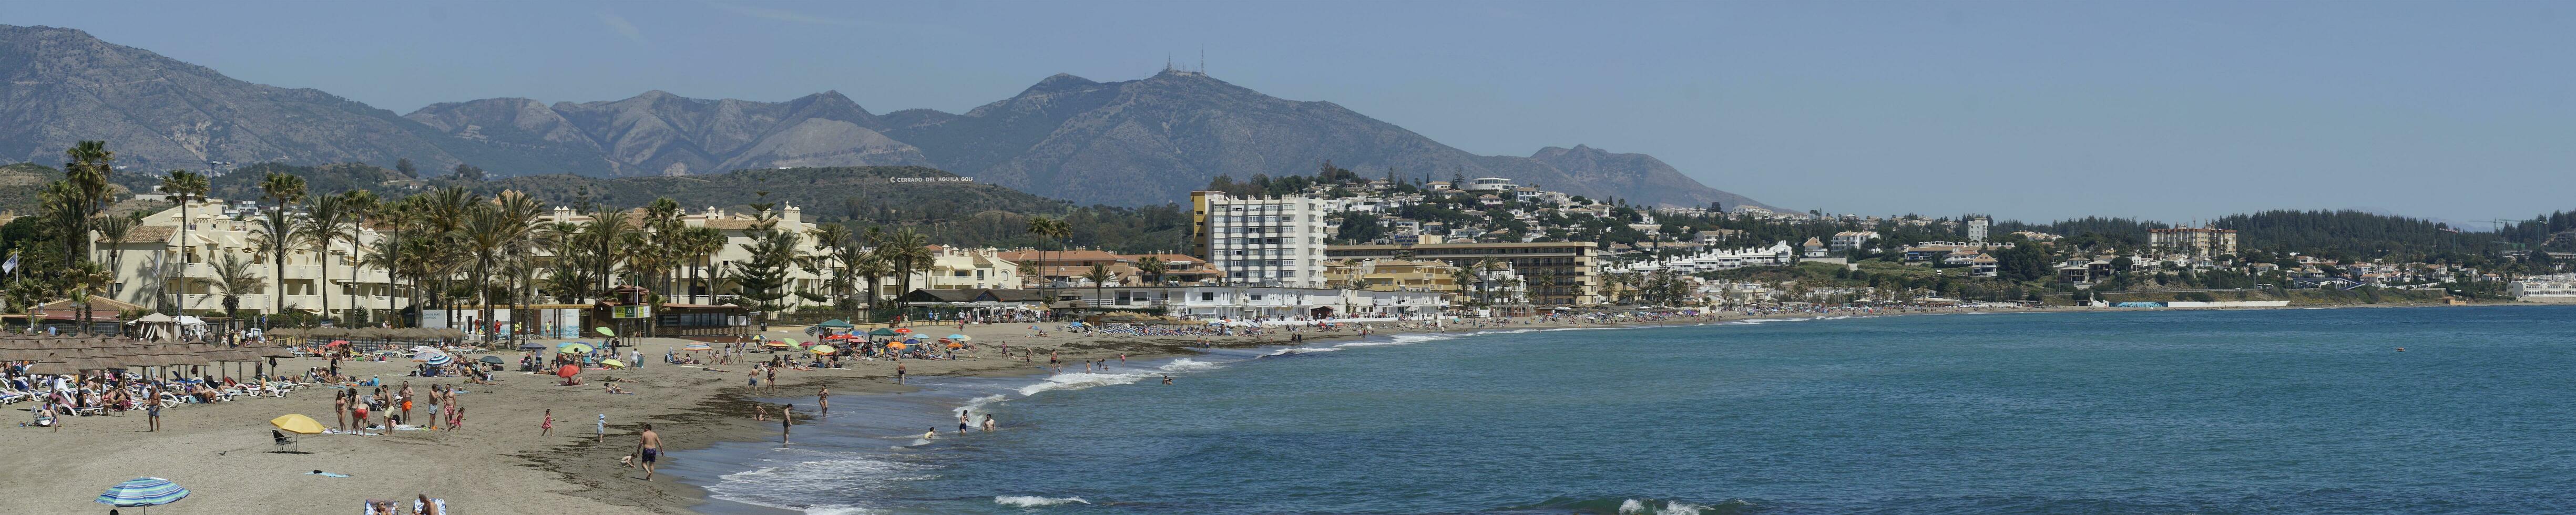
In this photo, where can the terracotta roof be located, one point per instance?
(146, 233)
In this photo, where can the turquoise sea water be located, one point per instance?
(2284, 411)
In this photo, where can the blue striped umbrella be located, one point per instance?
(441, 360)
(143, 491)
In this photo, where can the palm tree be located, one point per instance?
(113, 229)
(871, 266)
(233, 277)
(835, 242)
(1546, 281)
(442, 215)
(184, 187)
(274, 235)
(285, 189)
(401, 215)
(909, 251)
(494, 232)
(86, 191)
(84, 278)
(357, 205)
(1099, 276)
(1053, 229)
(1153, 268)
(321, 228)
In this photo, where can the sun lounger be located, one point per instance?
(280, 438)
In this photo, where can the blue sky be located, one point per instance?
(2032, 110)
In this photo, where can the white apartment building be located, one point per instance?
(2559, 287)
(1851, 240)
(1717, 259)
(1489, 185)
(1232, 302)
(1261, 241)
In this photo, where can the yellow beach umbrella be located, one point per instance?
(296, 423)
(603, 331)
(896, 346)
(613, 363)
(821, 349)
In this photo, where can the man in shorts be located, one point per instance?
(647, 449)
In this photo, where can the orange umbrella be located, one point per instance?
(903, 331)
(568, 371)
(895, 346)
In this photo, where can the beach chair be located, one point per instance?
(280, 438)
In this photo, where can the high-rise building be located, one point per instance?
(1977, 229)
(1277, 241)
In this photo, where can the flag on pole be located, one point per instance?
(12, 265)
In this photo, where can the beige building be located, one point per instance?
(1394, 275)
(1574, 266)
(2201, 242)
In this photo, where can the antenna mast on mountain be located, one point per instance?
(1202, 58)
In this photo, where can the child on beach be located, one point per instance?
(547, 428)
(603, 427)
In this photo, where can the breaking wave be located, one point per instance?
(1031, 501)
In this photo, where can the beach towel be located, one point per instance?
(325, 474)
(417, 508)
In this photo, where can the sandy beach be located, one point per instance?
(497, 462)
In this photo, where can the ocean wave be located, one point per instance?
(1402, 339)
(840, 510)
(1031, 501)
(1301, 350)
(1190, 365)
(1080, 380)
(1634, 506)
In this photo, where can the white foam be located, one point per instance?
(1031, 501)
(1190, 365)
(840, 510)
(977, 404)
(1648, 507)
(1079, 380)
(1402, 339)
(1302, 350)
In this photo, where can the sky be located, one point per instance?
(2176, 111)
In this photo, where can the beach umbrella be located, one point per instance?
(696, 346)
(777, 345)
(821, 349)
(419, 354)
(960, 337)
(296, 423)
(895, 346)
(496, 360)
(573, 347)
(613, 363)
(882, 332)
(336, 343)
(52, 368)
(143, 491)
(603, 331)
(903, 331)
(532, 346)
(441, 360)
(791, 341)
(835, 324)
(568, 371)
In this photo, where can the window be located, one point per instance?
(1209, 296)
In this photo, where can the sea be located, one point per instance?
(2259, 411)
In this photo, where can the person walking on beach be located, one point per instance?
(823, 399)
(153, 410)
(340, 408)
(648, 446)
(603, 427)
(547, 428)
(786, 420)
(773, 379)
(405, 393)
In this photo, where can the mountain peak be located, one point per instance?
(1059, 83)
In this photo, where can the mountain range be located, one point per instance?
(1136, 142)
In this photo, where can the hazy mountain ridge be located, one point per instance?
(1137, 142)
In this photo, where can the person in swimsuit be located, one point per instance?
(988, 422)
(899, 371)
(962, 419)
(548, 427)
(786, 420)
(823, 398)
(647, 448)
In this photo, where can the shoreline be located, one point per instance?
(498, 463)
